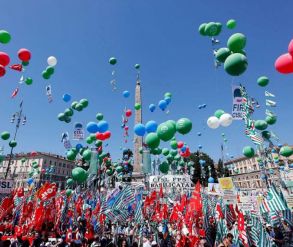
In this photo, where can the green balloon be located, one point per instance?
(181, 163)
(74, 104)
(152, 140)
(67, 119)
(231, 24)
(248, 151)
(271, 120)
(219, 113)
(235, 64)
(89, 140)
(190, 164)
(87, 154)
(99, 116)
(263, 81)
(165, 151)
(45, 75)
(71, 155)
(164, 167)
(112, 60)
(119, 169)
(212, 29)
(78, 107)
(166, 131)
(50, 70)
(5, 37)
(12, 144)
(5, 135)
(98, 143)
(183, 126)
(173, 145)
(201, 29)
(260, 124)
(177, 157)
(167, 95)
(219, 26)
(137, 66)
(174, 152)
(140, 150)
(236, 42)
(137, 106)
(222, 54)
(286, 151)
(68, 112)
(170, 158)
(84, 103)
(79, 174)
(266, 134)
(69, 182)
(68, 192)
(28, 81)
(109, 172)
(25, 63)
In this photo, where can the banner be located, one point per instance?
(47, 191)
(237, 108)
(65, 140)
(49, 93)
(78, 133)
(6, 186)
(213, 189)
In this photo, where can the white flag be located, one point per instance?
(271, 103)
(268, 94)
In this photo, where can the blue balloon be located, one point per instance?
(204, 105)
(199, 107)
(202, 162)
(139, 129)
(151, 126)
(276, 161)
(199, 133)
(280, 145)
(163, 105)
(282, 168)
(168, 100)
(273, 150)
(78, 146)
(152, 107)
(126, 94)
(30, 181)
(92, 127)
(199, 146)
(66, 97)
(291, 166)
(211, 180)
(103, 126)
(232, 156)
(183, 149)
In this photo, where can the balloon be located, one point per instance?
(260, 124)
(4, 58)
(66, 97)
(25, 63)
(139, 129)
(235, 64)
(248, 151)
(74, 104)
(199, 146)
(183, 126)
(165, 151)
(92, 127)
(99, 116)
(137, 106)
(103, 126)
(162, 105)
(52, 61)
(78, 146)
(290, 47)
(168, 100)
(89, 140)
(231, 24)
(271, 120)
(46, 75)
(173, 144)
(24, 54)
(109, 172)
(166, 131)
(219, 113)
(107, 134)
(4, 37)
(68, 112)
(128, 113)
(5, 135)
(213, 122)
(2, 70)
(87, 154)
(126, 94)
(68, 192)
(201, 29)
(137, 66)
(71, 155)
(79, 174)
(199, 133)
(226, 119)
(12, 144)
(164, 167)
(152, 107)
(50, 70)
(84, 103)
(286, 151)
(112, 60)
(151, 126)
(263, 81)
(211, 180)
(152, 140)
(236, 42)
(174, 152)
(212, 29)
(284, 64)
(180, 144)
(167, 95)
(222, 54)
(61, 117)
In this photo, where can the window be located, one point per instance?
(44, 161)
(50, 162)
(64, 165)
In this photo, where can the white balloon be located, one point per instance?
(52, 61)
(226, 119)
(213, 122)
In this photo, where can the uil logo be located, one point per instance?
(237, 95)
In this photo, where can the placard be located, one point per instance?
(237, 108)
(6, 186)
(226, 183)
(78, 133)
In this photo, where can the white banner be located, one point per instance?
(237, 108)
(6, 186)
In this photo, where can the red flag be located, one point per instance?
(17, 67)
(153, 197)
(195, 203)
(219, 212)
(174, 214)
(15, 92)
(47, 191)
(161, 194)
(240, 222)
(6, 206)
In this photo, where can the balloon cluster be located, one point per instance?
(162, 104)
(124, 126)
(125, 167)
(284, 63)
(5, 135)
(219, 118)
(210, 29)
(49, 71)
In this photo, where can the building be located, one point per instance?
(53, 168)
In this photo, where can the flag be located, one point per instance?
(274, 201)
(15, 92)
(271, 103)
(17, 67)
(270, 113)
(256, 139)
(161, 194)
(268, 94)
(49, 93)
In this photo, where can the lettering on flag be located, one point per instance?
(78, 133)
(47, 191)
(237, 108)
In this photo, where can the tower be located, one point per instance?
(138, 139)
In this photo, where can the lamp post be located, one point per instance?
(20, 118)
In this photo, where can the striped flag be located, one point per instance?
(256, 139)
(271, 103)
(274, 200)
(268, 94)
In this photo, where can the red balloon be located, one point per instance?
(2, 70)
(284, 64)
(4, 58)
(290, 47)
(128, 113)
(34, 153)
(99, 136)
(126, 128)
(43, 170)
(180, 144)
(107, 134)
(24, 55)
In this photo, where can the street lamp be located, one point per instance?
(20, 118)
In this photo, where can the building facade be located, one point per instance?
(53, 168)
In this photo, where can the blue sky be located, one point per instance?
(161, 36)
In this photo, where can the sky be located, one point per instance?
(162, 36)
